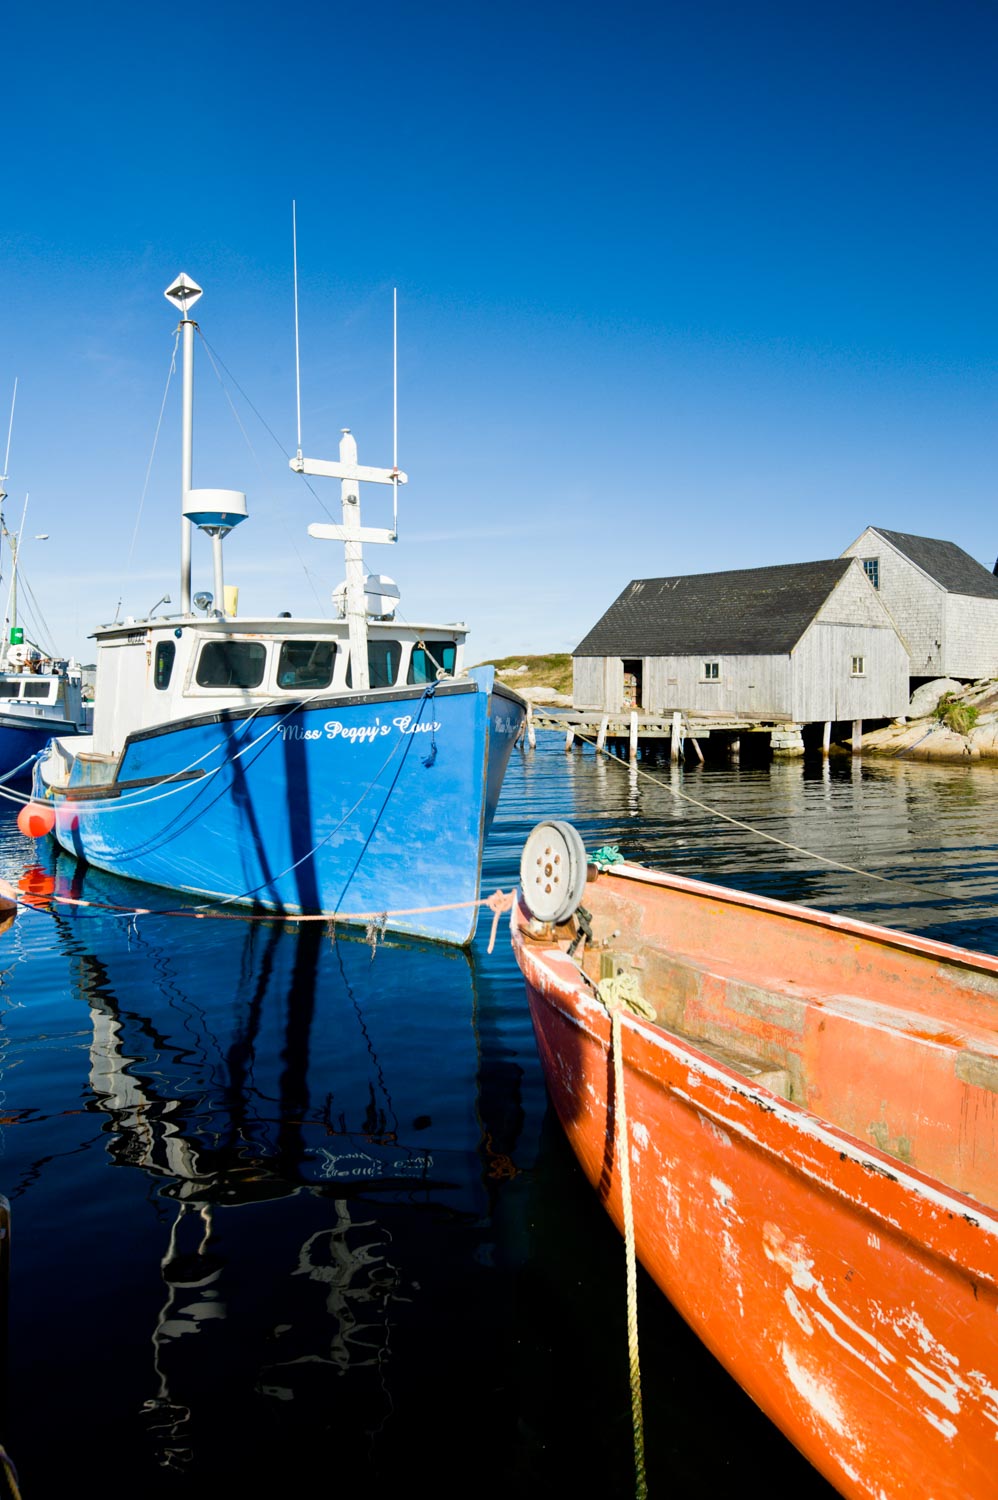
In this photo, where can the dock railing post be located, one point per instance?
(677, 733)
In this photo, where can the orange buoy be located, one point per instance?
(36, 819)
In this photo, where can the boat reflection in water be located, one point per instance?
(286, 1261)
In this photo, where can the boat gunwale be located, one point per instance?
(883, 936)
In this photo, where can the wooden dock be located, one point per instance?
(633, 729)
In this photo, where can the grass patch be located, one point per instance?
(958, 716)
(553, 671)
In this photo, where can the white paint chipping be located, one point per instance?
(797, 1312)
(722, 1192)
(945, 1392)
(944, 1425)
(815, 1391)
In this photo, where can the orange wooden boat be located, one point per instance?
(812, 1124)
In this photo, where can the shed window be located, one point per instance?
(428, 656)
(237, 664)
(711, 671)
(871, 567)
(858, 666)
(163, 666)
(306, 664)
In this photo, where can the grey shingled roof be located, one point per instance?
(753, 611)
(948, 564)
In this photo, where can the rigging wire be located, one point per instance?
(159, 423)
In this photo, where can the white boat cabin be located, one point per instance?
(33, 686)
(152, 672)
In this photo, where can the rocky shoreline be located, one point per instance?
(947, 720)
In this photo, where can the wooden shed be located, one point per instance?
(944, 604)
(800, 643)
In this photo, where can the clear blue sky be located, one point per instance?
(682, 287)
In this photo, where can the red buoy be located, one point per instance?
(36, 819)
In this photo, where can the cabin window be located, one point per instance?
(9, 689)
(711, 671)
(427, 657)
(163, 665)
(37, 689)
(858, 666)
(871, 567)
(231, 664)
(383, 661)
(306, 664)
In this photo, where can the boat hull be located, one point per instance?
(21, 739)
(372, 807)
(854, 1299)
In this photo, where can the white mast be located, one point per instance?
(183, 294)
(353, 535)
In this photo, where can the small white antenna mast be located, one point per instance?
(294, 244)
(395, 410)
(6, 461)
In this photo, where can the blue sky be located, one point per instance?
(681, 288)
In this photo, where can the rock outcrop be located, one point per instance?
(948, 721)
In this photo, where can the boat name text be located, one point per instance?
(359, 734)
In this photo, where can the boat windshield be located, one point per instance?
(306, 664)
(238, 664)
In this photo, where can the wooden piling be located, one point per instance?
(634, 737)
(601, 736)
(857, 736)
(677, 731)
(826, 738)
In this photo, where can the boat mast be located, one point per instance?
(183, 294)
(3, 494)
(350, 472)
(353, 535)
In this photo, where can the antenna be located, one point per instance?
(10, 429)
(395, 409)
(294, 254)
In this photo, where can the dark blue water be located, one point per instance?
(289, 1215)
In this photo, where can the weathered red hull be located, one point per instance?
(852, 1295)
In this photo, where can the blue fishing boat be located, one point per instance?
(40, 695)
(348, 768)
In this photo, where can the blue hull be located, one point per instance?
(20, 741)
(368, 806)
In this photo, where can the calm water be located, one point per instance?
(288, 1216)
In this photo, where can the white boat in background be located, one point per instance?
(40, 695)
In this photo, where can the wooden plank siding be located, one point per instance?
(746, 686)
(944, 604)
(825, 687)
(970, 636)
